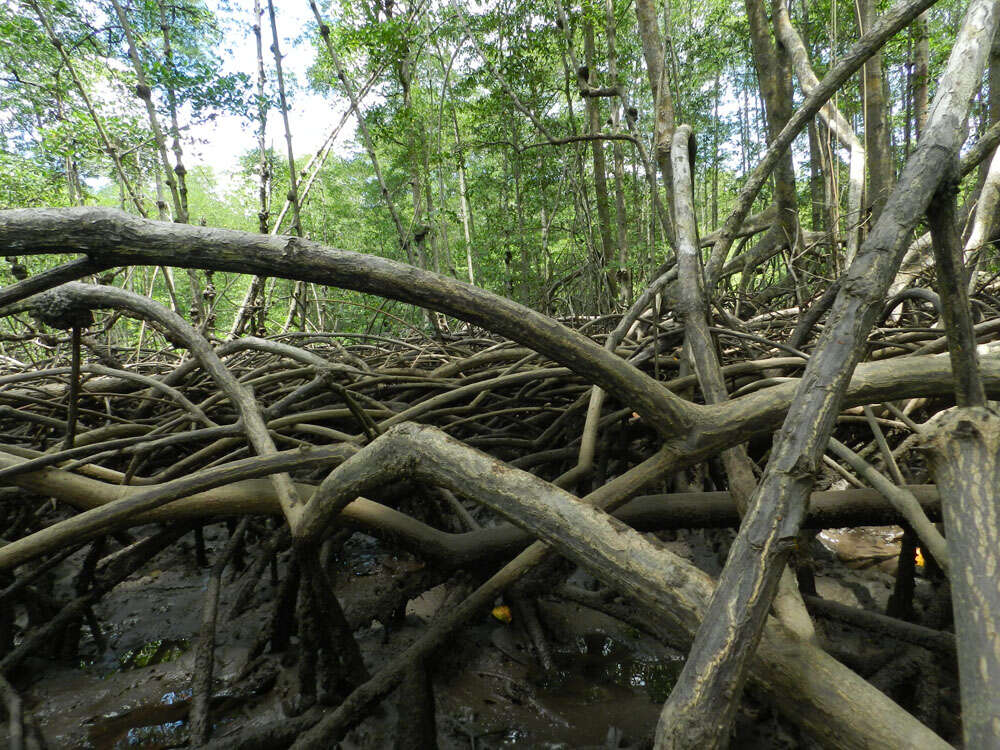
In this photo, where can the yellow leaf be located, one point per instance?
(502, 613)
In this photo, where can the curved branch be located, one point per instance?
(634, 565)
(113, 237)
(70, 300)
(888, 24)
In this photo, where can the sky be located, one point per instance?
(311, 116)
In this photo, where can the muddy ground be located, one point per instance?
(488, 687)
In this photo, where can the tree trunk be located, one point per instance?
(713, 677)
(252, 298)
(653, 53)
(600, 168)
(622, 276)
(881, 173)
(965, 457)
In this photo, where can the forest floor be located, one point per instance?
(405, 560)
(488, 689)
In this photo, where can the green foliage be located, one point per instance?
(438, 102)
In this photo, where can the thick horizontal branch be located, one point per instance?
(112, 237)
(252, 495)
(588, 91)
(801, 678)
(758, 414)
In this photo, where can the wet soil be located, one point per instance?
(606, 691)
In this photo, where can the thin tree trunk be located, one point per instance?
(463, 207)
(175, 131)
(653, 53)
(880, 169)
(817, 199)
(293, 184)
(365, 134)
(836, 123)
(463, 199)
(888, 24)
(297, 303)
(144, 92)
(524, 259)
(109, 147)
(622, 275)
(774, 75)
(401, 233)
(600, 168)
(248, 306)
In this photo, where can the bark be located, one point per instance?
(888, 24)
(835, 122)
(965, 450)
(175, 130)
(954, 295)
(94, 231)
(237, 490)
(522, 244)
(985, 221)
(935, 640)
(73, 299)
(684, 721)
(693, 307)
(733, 423)
(247, 307)
(463, 199)
(113, 238)
(880, 168)
(919, 255)
(144, 92)
(653, 53)
(417, 728)
(593, 105)
(817, 198)
(828, 699)
(775, 84)
(904, 501)
(622, 275)
(293, 176)
(296, 305)
(965, 457)
(921, 81)
(716, 667)
(171, 174)
(201, 687)
(404, 237)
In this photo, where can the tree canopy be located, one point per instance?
(534, 259)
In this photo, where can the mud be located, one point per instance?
(606, 691)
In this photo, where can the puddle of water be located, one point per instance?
(601, 660)
(150, 727)
(601, 684)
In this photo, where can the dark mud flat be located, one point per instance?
(610, 680)
(606, 689)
